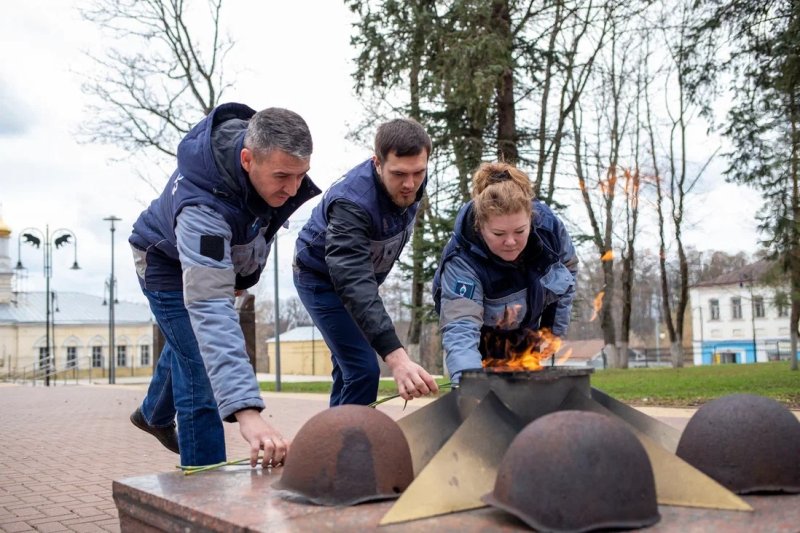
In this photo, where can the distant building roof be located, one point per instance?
(300, 333)
(70, 308)
(581, 351)
(752, 272)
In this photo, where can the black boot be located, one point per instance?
(165, 435)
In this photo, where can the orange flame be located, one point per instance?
(608, 255)
(530, 354)
(598, 304)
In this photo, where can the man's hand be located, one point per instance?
(262, 436)
(412, 380)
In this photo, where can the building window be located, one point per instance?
(43, 359)
(783, 310)
(122, 356)
(758, 306)
(714, 307)
(736, 307)
(144, 355)
(72, 356)
(97, 357)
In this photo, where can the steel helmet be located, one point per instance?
(747, 443)
(576, 471)
(346, 455)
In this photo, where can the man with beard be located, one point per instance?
(346, 250)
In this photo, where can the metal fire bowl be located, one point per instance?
(528, 394)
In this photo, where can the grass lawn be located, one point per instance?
(673, 387)
(693, 386)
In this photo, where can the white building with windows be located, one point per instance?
(737, 318)
(79, 329)
(79, 334)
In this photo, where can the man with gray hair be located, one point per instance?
(240, 175)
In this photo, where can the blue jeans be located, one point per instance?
(180, 385)
(355, 365)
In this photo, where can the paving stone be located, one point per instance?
(27, 512)
(15, 527)
(86, 528)
(51, 527)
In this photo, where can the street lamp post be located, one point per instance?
(111, 301)
(36, 237)
(277, 323)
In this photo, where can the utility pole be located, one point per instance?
(753, 322)
(277, 322)
(111, 298)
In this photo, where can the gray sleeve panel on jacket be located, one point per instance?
(347, 255)
(569, 259)
(209, 300)
(204, 283)
(461, 317)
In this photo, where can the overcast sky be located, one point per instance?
(289, 54)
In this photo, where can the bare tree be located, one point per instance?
(161, 71)
(679, 184)
(294, 314)
(612, 116)
(601, 236)
(631, 187)
(575, 24)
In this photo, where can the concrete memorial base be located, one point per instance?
(238, 498)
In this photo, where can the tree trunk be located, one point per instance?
(622, 356)
(602, 244)
(794, 232)
(793, 334)
(610, 351)
(627, 297)
(676, 353)
(548, 80)
(662, 247)
(607, 314)
(417, 240)
(504, 98)
(417, 278)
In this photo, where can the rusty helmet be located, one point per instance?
(747, 443)
(347, 455)
(576, 471)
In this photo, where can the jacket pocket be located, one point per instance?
(506, 312)
(556, 282)
(385, 253)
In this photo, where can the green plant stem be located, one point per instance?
(376, 403)
(188, 470)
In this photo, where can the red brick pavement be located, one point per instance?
(61, 447)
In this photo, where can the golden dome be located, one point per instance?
(5, 231)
